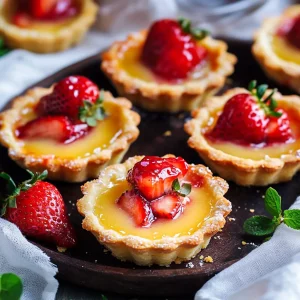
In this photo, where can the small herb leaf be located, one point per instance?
(197, 33)
(183, 190)
(259, 226)
(261, 89)
(252, 85)
(292, 218)
(176, 185)
(11, 287)
(273, 202)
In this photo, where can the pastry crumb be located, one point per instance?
(168, 133)
(61, 249)
(244, 243)
(220, 230)
(263, 196)
(231, 219)
(208, 259)
(96, 260)
(105, 250)
(201, 257)
(181, 116)
(190, 265)
(252, 210)
(239, 248)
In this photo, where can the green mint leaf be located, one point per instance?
(11, 186)
(92, 122)
(176, 185)
(185, 24)
(183, 190)
(196, 33)
(259, 226)
(292, 218)
(199, 34)
(267, 239)
(273, 202)
(261, 89)
(252, 85)
(11, 287)
(275, 114)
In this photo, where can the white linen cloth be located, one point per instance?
(21, 69)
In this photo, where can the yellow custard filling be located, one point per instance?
(97, 139)
(130, 62)
(258, 153)
(284, 50)
(111, 216)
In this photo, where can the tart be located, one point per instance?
(153, 210)
(45, 25)
(68, 129)
(277, 48)
(251, 137)
(170, 67)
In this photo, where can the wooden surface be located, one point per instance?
(87, 265)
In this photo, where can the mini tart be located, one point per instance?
(70, 33)
(280, 69)
(155, 96)
(147, 251)
(75, 169)
(243, 171)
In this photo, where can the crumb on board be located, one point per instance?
(220, 230)
(181, 116)
(231, 219)
(201, 257)
(252, 210)
(208, 259)
(190, 265)
(244, 243)
(239, 248)
(168, 133)
(263, 196)
(105, 250)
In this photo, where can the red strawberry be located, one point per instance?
(68, 96)
(78, 130)
(40, 8)
(170, 52)
(278, 129)
(63, 9)
(57, 128)
(242, 121)
(179, 163)
(21, 19)
(153, 176)
(134, 204)
(40, 211)
(293, 34)
(168, 206)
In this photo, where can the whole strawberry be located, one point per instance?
(171, 50)
(38, 209)
(293, 35)
(68, 97)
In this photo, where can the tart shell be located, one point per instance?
(146, 252)
(153, 96)
(282, 71)
(242, 171)
(72, 170)
(46, 42)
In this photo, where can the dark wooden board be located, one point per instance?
(89, 266)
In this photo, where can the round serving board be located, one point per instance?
(90, 266)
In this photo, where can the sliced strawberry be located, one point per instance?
(168, 206)
(134, 204)
(179, 163)
(57, 128)
(21, 19)
(171, 52)
(153, 176)
(78, 131)
(68, 96)
(278, 129)
(41, 8)
(196, 180)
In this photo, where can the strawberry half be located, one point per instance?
(171, 50)
(134, 204)
(38, 209)
(153, 176)
(57, 128)
(293, 33)
(41, 8)
(68, 97)
(168, 206)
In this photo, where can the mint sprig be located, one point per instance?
(11, 287)
(182, 190)
(263, 226)
(13, 190)
(197, 33)
(3, 49)
(90, 112)
(267, 103)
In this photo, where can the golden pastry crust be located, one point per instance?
(240, 170)
(144, 251)
(46, 42)
(72, 170)
(285, 72)
(167, 97)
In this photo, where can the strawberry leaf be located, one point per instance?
(273, 202)
(252, 85)
(259, 226)
(261, 89)
(11, 287)
(90, 113)
(197, 33)
(292, 218)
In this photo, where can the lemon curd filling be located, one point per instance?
(111, 216)
(97, 139)
(284, 50)
(257, 152)
(129, 61)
